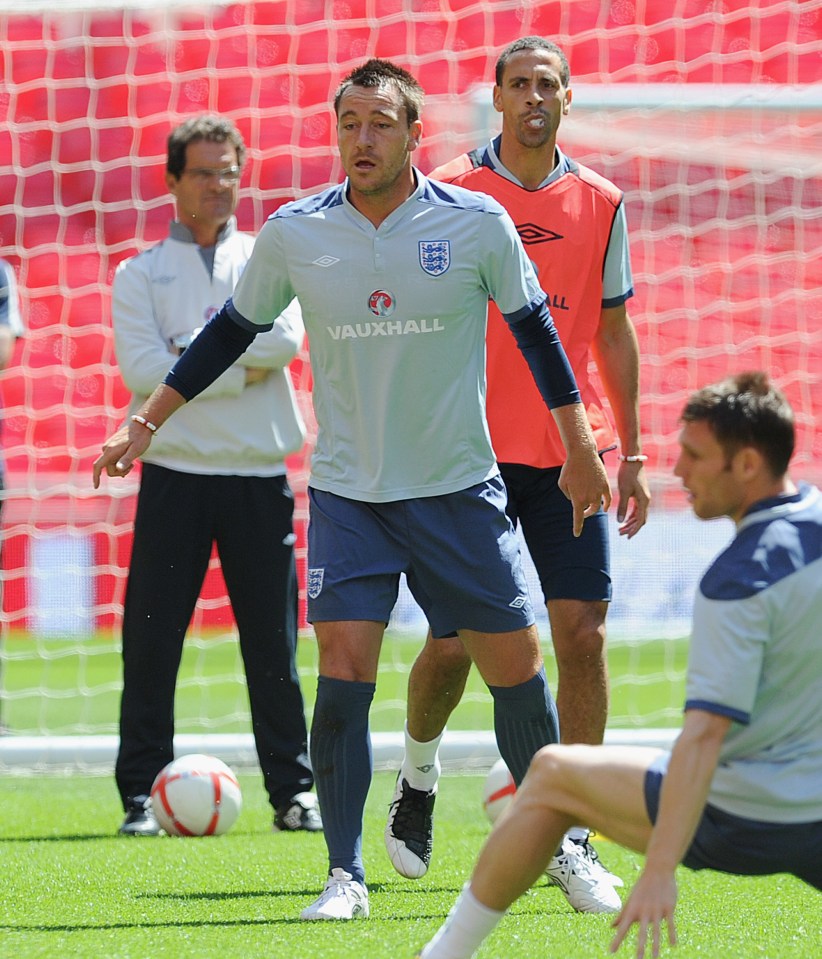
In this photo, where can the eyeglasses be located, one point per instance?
(231, 174)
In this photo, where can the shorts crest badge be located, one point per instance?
(314, 583)
(435, 256)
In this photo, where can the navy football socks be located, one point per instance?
(525, 720)
(341, 758)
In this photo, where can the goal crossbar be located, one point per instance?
(458, 749)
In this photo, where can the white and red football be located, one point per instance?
(499, 790)
(196, 795)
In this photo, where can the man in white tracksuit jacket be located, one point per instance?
(216, 474)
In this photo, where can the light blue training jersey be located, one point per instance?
(396, 319)
(756, 657)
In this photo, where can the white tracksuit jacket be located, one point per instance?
(230, 429)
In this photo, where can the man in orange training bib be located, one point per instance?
(572, 223)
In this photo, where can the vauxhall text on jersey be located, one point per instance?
(385, 328)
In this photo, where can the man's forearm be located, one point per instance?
(164, 401)
(539, 343)
(616, 353)
(685, 788)
(574, 428)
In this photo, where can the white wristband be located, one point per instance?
(136, 418)
(634, 458)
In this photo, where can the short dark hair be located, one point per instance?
(209, 127)
(533, 43)
(747, 410)
(377, 73)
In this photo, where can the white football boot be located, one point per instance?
(582, 881)
(342, 898)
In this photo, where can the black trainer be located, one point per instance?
(409, 832)
(140, 819)
(301, 812)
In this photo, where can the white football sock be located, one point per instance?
(421, 763)
(578, 833)
(462, 933)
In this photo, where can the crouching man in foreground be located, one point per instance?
(741, 791)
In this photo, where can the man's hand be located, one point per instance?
(120, 451)
(634, 498)
(652, 902)
(584, 481)
(132, 439)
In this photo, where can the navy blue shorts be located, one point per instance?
(745, 847)
(459, 553)
(568, 566)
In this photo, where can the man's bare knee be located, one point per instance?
(545, 786)
(450, 656)
(578, 629)
(505, 659)
(554, 767)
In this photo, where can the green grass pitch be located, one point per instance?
(71, 888)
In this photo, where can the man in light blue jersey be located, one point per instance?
(741, 791)
(393, 273)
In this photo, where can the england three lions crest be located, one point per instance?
(435, 256)
(315, 581)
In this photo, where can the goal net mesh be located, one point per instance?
(709, 117)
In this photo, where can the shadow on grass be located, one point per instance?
(373, 888)
(196, 923)
(177, 924)
(87, 837)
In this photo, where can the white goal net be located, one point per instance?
(708, 115)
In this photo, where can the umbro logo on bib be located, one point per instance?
(531, 233)
(519, 602)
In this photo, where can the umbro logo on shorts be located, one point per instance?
(519, 602)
